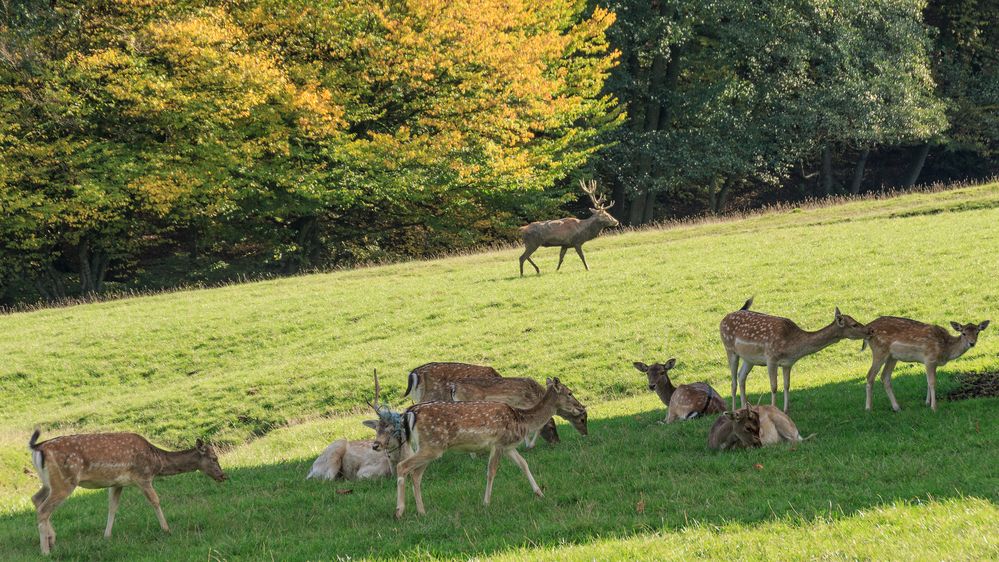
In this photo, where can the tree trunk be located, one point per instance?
(722, 200)
(650, 206)
(917, 165)
(858, 172)
(86, 276)
(827, 179)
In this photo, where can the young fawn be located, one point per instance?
(683, 402)
(762, 339)
(739, 430)
(901, 339)
(108, 460)
(435, 427)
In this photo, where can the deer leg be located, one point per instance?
(526, 256)
(519, 461)
(579, 250)
(46, 532)
(418, 488)
(931, 381)
(412, 464)
(743, 373)
(40, 496)
(114, 494)
(886, 378)
(786, 371)
(561, 256)
(772, 371)
(733, 366)
(154, 500)
(494, 458)
(871, 373)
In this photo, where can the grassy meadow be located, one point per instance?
(275, 371)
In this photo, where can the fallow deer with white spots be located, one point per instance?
(684, 402)
(901, 339)
(435, 427)
(762, 339)
(108, 460)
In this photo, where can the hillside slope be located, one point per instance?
(284, 366)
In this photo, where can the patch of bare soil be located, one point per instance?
(975, 385)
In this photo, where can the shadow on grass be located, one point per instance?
(593, 487)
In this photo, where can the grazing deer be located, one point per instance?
(108, 460)
(896, 339)
(519, 393)
(683, 402)
(739, 430)
(435, 427)
(355, 460)
(761, 339)
(567, 233)
(430, 382)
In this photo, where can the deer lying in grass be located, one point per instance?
(567, 233)
(431, 382)
(355, 460)
(108, 460)
(739, 430)
(683, 402)
(896, 339)
(761, 339)
(518, 393)
(776, 426)
(435, 427)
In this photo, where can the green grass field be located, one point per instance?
(276, 370)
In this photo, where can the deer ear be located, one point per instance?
(556, 381)
(199, 445)
(373, 424)
(957, 327)
(641, 366)
(983, 325)
(671, 363)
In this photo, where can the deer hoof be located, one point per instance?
(539, 493)
(398, 514)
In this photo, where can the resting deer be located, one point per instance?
(108, 460)
(739, 430)
(776, 426)
(896, 339)
(355, 460)
(761, 339)
(567, 233)
(430, 382)
(435, 427)
(519, 393)
(683, 402)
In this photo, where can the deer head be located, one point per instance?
(746, 427)
(657, 372)
(208, 461)
(850, 328)
(569, 408)
(388, 426)
(600, 205)
(969, 332)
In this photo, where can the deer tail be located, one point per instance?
(38, 457)
(33, 442)
(809, 437)
(748, 304)
(414, 380)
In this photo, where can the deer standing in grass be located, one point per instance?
(518, 393)
(896, 339)
(567, 233)
(355, 460)
(683, 402)
(762, 339)
(108, 460)
(431, 382)
(435, 427)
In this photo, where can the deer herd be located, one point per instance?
(464, 407)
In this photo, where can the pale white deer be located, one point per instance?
(567, 233)
(762, 339)
(435, 427)
(896, 339)
(108, 460)
(684, 402)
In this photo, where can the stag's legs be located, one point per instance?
(871, 373)
(931, 385)
(418, 489)
(561, 256)
(743, 373)
(786, 371)
(40, 496)
(772, 372)
(494, 458)
(519, 461)
(114, 494)
(154, 500)
(527, 256)
(46, 532)
(733, 366)
(579, 250)
(886, 378)
(414, 464)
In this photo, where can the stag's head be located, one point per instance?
(969, 332)
(566, 406)
(850, 328)
(657, 372)
(600, 208)
(208, 461)
(388, 426)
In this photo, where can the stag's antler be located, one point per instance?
(377, 392)
(590, 188)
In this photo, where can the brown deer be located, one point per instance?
(901, 339)
(683, 402)
(356, 460)
(776, 426)
(108, 460)
(762, 339)
(519, 393)
(739, 430)
(430, 382)
(567, 233)
(435, 427)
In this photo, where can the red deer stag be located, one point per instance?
(683, 402)
(108, 460)
(567, 233)
(762, 339)
(900, 339)
(430, 382)
(355, 460)
(519, 393)
(435, 427)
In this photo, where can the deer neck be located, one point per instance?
(665, 389)
(539, 414)
(808, 343)
(177, 462)
(955, 346)
(590, 227)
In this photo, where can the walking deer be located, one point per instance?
(683, 402)
(108, 460)
(762, 339)
(435, 427)
(430, 382)
(518, 393)
(568, 233)
(739, 430)
(355, 460)
(896, 339)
